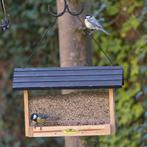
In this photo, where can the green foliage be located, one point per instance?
(20, 46)
(127, 46)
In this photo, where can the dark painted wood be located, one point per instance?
(68, 78)
(67, 85)
(68, 68)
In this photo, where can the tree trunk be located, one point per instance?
(75, 48)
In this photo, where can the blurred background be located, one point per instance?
(27, 44)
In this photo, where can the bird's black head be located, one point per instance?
(34, 116)
(88, 16)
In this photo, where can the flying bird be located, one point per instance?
(92, 24)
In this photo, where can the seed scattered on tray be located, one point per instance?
(80, 108)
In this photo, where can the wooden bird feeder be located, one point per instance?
(80, 114)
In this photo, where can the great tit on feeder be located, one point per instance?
(92, 24)
(39, 118)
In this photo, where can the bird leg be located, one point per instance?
(88, 32)
(91, 32)
(41, 128)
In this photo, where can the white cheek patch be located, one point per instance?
(34, 117)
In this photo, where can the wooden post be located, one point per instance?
(75, 48)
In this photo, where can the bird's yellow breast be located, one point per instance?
(40, 120)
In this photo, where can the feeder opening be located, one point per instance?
(88, 107)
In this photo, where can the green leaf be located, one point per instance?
(113, 9)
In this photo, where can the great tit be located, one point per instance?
(93, 24)
(39, 118)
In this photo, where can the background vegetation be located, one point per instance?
(127, 46)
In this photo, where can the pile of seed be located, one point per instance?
(82, 108)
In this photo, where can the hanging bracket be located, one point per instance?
(66, 9)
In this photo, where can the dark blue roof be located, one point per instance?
(68, 77)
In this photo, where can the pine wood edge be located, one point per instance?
(87, 130)
(28, 129)
(112, 110)
(83, 127)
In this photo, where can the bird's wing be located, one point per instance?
(94, 22)
(104, 31)
(97, 25)
(93, 18)
(43, 116)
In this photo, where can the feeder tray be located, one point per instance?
(82, 113)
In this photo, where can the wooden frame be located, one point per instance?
(85, 130)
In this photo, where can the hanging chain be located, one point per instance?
(66, 9)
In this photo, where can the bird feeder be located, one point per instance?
(83, 113)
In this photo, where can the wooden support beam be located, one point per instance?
(26, 113)
(84, 127)
(112, 110)
(88, 130)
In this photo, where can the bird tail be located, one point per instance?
(104, 31)
(46, 116)
(43, 116)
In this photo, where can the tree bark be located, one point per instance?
(75, 48)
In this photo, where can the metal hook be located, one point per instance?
(66, 9)
(5, 21)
